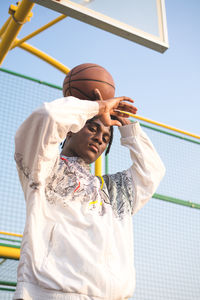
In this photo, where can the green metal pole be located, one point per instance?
(106, 164)
(176, 201)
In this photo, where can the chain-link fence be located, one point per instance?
(166, 233)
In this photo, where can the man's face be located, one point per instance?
(89, 143)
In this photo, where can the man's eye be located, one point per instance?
(105, 139)
(92, 129)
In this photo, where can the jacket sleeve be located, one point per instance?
(37, 139)
(131, 189)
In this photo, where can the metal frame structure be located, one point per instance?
(8, 34)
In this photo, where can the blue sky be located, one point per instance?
(165, 86)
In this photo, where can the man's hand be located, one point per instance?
(124, 121)
(107, 108)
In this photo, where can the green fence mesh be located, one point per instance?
(166, 235)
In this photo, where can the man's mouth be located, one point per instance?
(94, 148)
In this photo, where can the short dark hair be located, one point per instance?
(110, 141)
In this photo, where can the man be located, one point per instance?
(77, 242)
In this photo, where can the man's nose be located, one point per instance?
(98, 138)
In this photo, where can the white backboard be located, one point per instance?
(141, 21)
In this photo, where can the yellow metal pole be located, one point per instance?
(45, 57)
(3, 28)
(9, 252)
(19, 42)
(162, 125)
(98, 167)
(14, 27)
(10, 233)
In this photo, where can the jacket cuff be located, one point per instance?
(130, 130)
(89, 106)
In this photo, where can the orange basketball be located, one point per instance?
(83, 79)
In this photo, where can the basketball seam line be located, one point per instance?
(88, 79)
(81, 92)
(95, 66)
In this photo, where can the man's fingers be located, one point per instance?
(123, 98)
(120, 114)
(115, 123)
(123, 121)
(126, 109)
(132, 110)
(125, 105)
(119, 107)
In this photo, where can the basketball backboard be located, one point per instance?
(141, 21)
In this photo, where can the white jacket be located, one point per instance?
(78, 239)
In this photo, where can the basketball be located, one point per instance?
(83, 79)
